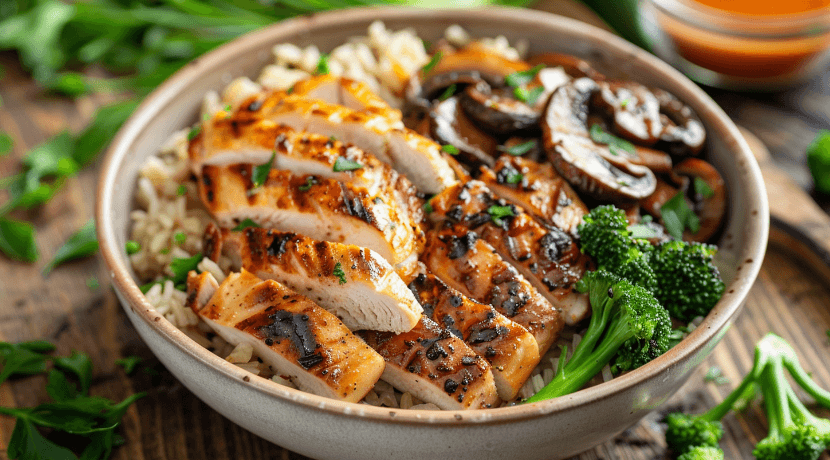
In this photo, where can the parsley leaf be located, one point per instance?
(260, 173)
(615, 144)
(129, 363)
(702, 188)
(451, 149)
(428, 207)
(17, 240)
(245, 224)
(514, 177)
(180, 237)
(322, 65)
(677, 216)
(528, 96)
(339, 273)
(92, 283)
(524, 77)
(194, 131)
(309, 182)
(83, 243)
(59, 388)
(436, 58)
(132, 247)
(26, 442)
(80, 365)
(182, 266)
(344, 164)
(23, 358)
(6, 143)
(101, 130)
(448, 92)
(498, 213)
(182, 190)
(518, 149)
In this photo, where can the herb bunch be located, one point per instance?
(87, 422)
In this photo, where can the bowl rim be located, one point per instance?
(164, 96)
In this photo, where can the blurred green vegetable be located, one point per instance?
(818, 160)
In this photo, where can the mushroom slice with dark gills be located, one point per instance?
(497, 111)
(683, 133)
(590, 167)
(509, 348)
(707, 193)
(322, 209)
(633, 109)
(572, 65)
(356, 284)
(450, 125)
(537, 188)
(461, 259)
(435, 366)
(548, 258)
(291, 334)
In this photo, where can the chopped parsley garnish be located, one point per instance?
(528, 96)
(17, 240)
(290, 90)
(180, 237)
(677, 216)
(245, 224)
(428, 207)
(344, 164)
(514, 178)
(625, 102)
(129, 363)
(332, 139)
(82, 243)
(182, 190)
(6, 143)
(227, 108)
(309, 181)
(194, 131)
(260, 173)
(92, 283)
(522, 78)
(339, 273)
(448, 92)
(615, 144)
(497, 213)
(451, 149)
(703, 189)
(436, 58)
(322, 65)
(180, 267)
(818, 161)
(132, 247)
(518, 149)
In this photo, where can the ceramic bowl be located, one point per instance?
(328, 429)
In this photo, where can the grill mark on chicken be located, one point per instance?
(483, 275)
(291, 334)
(548, 258)
(541, 191)
(509, 348)
(435, 366)
(354, 283)
(328, 210)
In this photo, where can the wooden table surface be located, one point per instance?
(789, 298)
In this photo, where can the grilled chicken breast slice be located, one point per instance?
(356, 284)
(509, 348)
(548, 258)
(415, 156)
(322, 209)
(464, 261)
(538, 189)
(435, 366)
(349, 93)
(292, 335)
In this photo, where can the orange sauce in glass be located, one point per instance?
(737, 52)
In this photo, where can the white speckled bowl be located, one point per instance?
(325, 428)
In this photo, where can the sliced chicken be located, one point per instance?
(322, 209)
(537, 188)
(548, 258)
(349, 93)
(354, 283)
(289, 333)
(415, 156)
(509, 348)
(467, 263)
(435, 366)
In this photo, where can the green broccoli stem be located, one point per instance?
(774, 385)
(578, 372)
(595, 330)
(803, 380)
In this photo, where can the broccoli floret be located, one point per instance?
(818, 160)
(688, 283)
(628, 328)
(604, 235)
(794, 433)
(702, 453)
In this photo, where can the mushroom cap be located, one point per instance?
(497, 111)
(450, 125)
(590, 167)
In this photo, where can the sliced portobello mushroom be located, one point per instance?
(498, 111)
(709, 201)
(587, 165)
(572, 65)
(633, 109)
(683, 133)
(449, 125)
